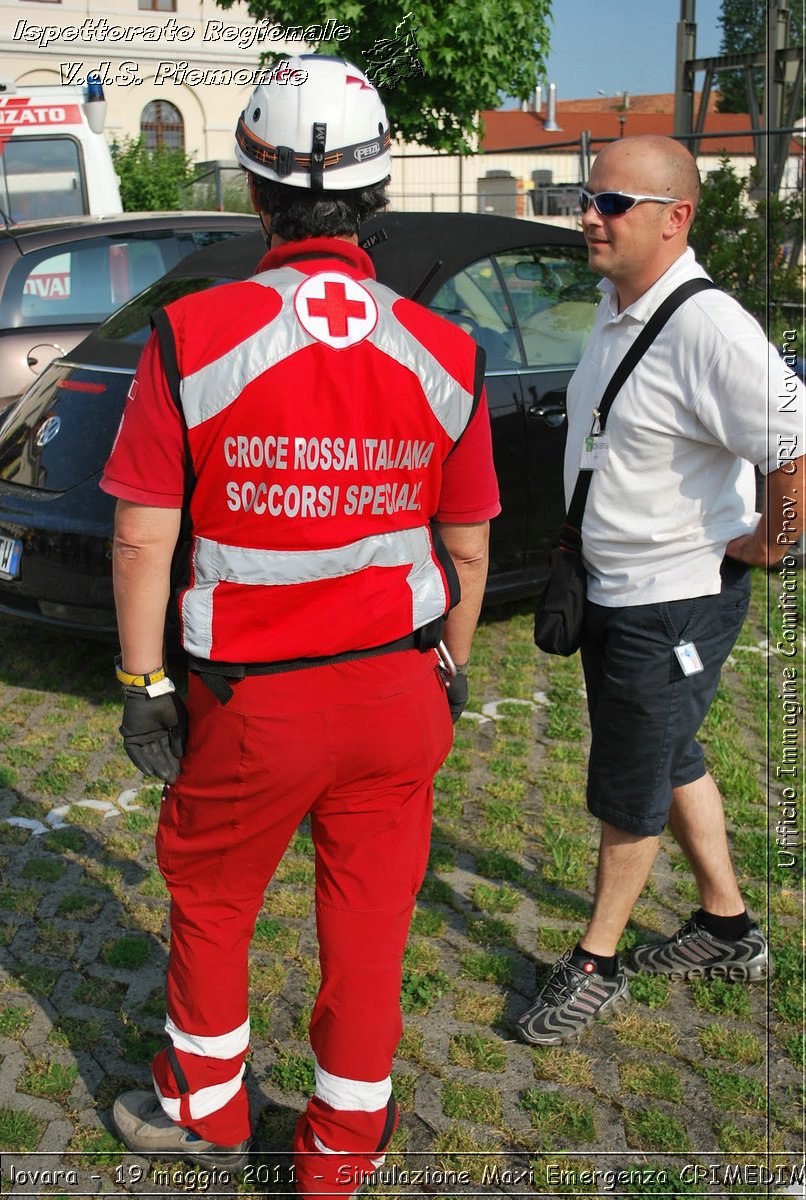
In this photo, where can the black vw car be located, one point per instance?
(521, 289)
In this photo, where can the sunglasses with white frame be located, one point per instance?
(615, 204)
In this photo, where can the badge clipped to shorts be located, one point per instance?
(595, 448)
(689, 659)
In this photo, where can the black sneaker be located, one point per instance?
(574, 997)
(694, 953)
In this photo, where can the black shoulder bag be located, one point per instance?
(560, 611)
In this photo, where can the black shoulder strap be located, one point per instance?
(478, 388)
(165, 334)
(170, 363)
(571, 532)
(180, 564)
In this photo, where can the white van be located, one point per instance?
(54, 158)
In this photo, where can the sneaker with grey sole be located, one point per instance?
(574, 997)
(694, 953)
(144, 1127)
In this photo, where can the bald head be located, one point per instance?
(634, 248)
(658, 166)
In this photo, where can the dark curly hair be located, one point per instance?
(298, 213)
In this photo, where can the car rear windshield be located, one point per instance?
(82, 282)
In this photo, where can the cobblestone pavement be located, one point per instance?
(689, 1082)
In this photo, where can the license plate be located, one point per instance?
(10, 555)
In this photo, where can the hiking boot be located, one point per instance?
(694, 953)
(574, 997)
(142, 1124)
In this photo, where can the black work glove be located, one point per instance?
(456, 687)
(154, 731)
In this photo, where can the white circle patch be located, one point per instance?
(335, 309)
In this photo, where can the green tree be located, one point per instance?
(752, 249)
(744, 29)
(470, 52)
(151, 180)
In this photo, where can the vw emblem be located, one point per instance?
(47, 431)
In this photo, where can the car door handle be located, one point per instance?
(550, 408)
(552, 415)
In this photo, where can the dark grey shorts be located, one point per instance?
(644, 712)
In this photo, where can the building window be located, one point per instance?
(161, 124)
(157, 5)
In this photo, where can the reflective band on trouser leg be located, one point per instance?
(338, 1144)
(202, 1089)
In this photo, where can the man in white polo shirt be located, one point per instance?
(669, 533)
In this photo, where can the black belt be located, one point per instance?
(215, 674)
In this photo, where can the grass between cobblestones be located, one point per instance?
(686, 1072)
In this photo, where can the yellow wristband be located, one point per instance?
(137, 680)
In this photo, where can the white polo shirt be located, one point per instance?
(699, 411)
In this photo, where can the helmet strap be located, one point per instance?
(318, 155)
(266, 231)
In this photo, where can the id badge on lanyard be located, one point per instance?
(595, 448)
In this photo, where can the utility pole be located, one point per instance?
(782, 65)
(684, 75)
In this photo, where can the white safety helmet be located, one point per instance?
(328, 133)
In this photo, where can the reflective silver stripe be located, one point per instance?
(205, 1101)
(214, 562)
(211, 1099)
(197, 611)
(213, 388)
(352, 1095)
(450, 403)
(223, 1045)
(170, 1105)
(323, 1149)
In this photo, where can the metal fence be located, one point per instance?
(538, 182)
(542, 181)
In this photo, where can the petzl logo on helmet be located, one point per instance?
(47, 431)
(335, 309)
(362, 152)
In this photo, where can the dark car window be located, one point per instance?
(554, 295)
(131, 324)
(27, 193)
(81, 283)
(475, 300)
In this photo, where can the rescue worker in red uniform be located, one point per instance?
(331, 443)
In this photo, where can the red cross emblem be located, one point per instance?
(335, 309)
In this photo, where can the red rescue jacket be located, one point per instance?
(317, 426)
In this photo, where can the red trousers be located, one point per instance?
(356, 746)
